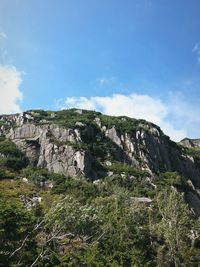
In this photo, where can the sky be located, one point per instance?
(139, 58)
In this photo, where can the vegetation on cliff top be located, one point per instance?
(70, 117)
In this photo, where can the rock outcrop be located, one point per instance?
(50, 146)
(187, 142)
(66, 149)
(153, 151)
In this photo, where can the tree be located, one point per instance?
(16, 239)
(173, 230)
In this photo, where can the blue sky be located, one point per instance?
(106, 55)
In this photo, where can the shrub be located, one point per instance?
(11, 157)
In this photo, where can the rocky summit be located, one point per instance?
(89, 180)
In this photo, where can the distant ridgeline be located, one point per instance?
(79, 188)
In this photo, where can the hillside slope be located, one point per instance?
(79, 188)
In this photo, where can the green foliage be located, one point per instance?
(6, 174)
(70, 117)
(2, 122)
(101, 147)
(105, 223)
(12, 190)
(173, 230)
(136, 186)
(81, 223)
(80, 220)
(79, 188)
(8, 148)
(125, 124)
(10, 156)
(194, 152)
(15, 225)
(36, 175)
(119, 168)
(171, 179)
(39, 115)
(107, 231)
(67, 118)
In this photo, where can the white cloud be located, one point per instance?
(3, 35)
(10, 94)
(196, 50)
(135, 105)
(185, 112)
(184, 109)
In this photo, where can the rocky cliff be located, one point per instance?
(79, 142)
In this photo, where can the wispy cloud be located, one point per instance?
(3, 35)
(106, 80)
(3, 54)
(10, 81)
(137, 106)
(196, 50)
(3, 50)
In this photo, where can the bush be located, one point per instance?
(170, 179)
(11, 157)
(16, 224)
(193, 151)
(119, 168)
(36, 175)
(79, 188)
(6, 174)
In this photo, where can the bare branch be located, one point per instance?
(35, 261)
(12, 254)
(25, 239)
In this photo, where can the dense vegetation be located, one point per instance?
(11, 159)
(80, 223)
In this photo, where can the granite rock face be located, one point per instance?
(63, 149)
(154, 151)
(187, 142)
(49, 146)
